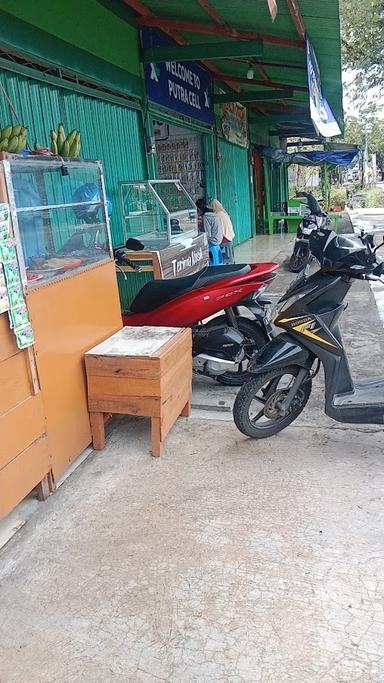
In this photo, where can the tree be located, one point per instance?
(362, 27)
(356, 130)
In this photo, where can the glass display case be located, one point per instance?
(59, 216)
(158, 212)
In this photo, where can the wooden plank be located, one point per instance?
(21, 426)
(182, 347)
(23, 474)
(133, 405)
(108, 366)
(98, 430)
(14, 381)
(180, 371)
(33, 369)
(173, 406)
(156, 437)
(8, 346)
(122, 387)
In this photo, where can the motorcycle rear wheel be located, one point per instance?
(266, 389)
(255, 338)
(299, 259)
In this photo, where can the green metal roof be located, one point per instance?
(214, 21)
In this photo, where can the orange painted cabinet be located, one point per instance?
(59, 222)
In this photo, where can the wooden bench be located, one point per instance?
(140, 371)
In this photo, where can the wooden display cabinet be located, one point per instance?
(44, 418)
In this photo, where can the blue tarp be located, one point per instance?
(335, 158)
(341, 158)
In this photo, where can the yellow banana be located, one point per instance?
(53, 135)
(54, 148)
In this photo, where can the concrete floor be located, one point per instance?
(226, 560)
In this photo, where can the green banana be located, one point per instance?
(73, 148)
(78, 144)
(13, 144)
(16, 130)
(54, 149)
(65, 149)
(4, 145)
(6, 132)
(60, 138)
(71, 137)
(21, 144)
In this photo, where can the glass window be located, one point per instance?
(61, 216)
(158, 212)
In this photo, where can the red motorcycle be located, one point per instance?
(223, 344)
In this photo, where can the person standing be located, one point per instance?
(229, 233)
(211, 223)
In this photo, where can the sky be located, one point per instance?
(349, 100)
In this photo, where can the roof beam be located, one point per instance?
(209, 9)
(290, 133)
(293, 6)
(188, 53)
(211, 29)
(259, 96)
(276, 65)
(144, 11)
(266, 84)
(285, 118)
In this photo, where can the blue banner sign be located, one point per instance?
(321, 113)
(184, 87)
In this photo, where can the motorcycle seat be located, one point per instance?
(159, 292)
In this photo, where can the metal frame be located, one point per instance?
(14, 211)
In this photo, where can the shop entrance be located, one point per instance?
(180, 155)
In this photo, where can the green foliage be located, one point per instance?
(362, 24)
(367, 125)
(374, 199)
(338, 196)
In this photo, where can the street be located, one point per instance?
(225, 560)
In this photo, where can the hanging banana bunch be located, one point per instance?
(68, 146)
(13, 139)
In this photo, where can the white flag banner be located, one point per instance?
(272, 6)
(321, 113)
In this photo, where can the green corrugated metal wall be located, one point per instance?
(110, 132)
(235, 193)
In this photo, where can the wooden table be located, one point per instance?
(140, 371)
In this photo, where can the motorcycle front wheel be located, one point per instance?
(255, 339)
(255, 411)
(299, 258)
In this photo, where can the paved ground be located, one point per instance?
(226, 560)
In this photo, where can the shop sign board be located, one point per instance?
(321, 114)
(183, 87)
(234, 123)
(179, 261)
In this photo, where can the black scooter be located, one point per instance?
(309, 313)
(301, 255)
